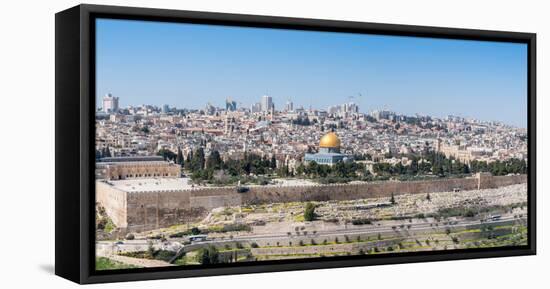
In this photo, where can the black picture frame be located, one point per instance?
(75, 128)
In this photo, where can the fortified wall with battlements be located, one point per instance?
(148, 210)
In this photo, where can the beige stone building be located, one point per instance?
(121, 168)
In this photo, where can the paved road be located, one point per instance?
(137, 245)
(372, 230)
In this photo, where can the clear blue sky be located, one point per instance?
(188, 65)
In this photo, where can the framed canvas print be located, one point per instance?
(195, 144)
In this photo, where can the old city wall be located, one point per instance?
(510, 180)
(151, 210)
(258, 195)
(501, 181)
(114, 202)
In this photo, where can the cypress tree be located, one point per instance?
(179, 158)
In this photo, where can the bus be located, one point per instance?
(197, 238)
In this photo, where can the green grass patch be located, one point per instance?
(103, 263)
(162, 255)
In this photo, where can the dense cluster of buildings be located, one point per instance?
(295, 135)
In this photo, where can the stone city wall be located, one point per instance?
(501, 181)
(487, 181)
(114, 202)
(258, 195)
(152, 210)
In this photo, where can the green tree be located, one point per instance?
(198, 161)
(187, 161)
(145, 129)
(465, 169)
(300, 169)
(195, 231)
(413, 167)
(273, 162)
(309, 212)
(214, 161)
(312, 169)
(208, 255)
(167, 154)
(179, 158)
(283, 171)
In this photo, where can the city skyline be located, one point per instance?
(182, 65)
(282, 108)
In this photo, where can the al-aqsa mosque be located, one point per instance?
(329, 151)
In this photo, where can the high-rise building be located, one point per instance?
(230, 105)
(382, 114)
(343, 109)
(209, 109)
(256, 107)
(350, 107)
(110, 103)
(289, 106)
(333, 109)
(266, 103)
(165, 108)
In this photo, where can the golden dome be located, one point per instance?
(330, 140)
